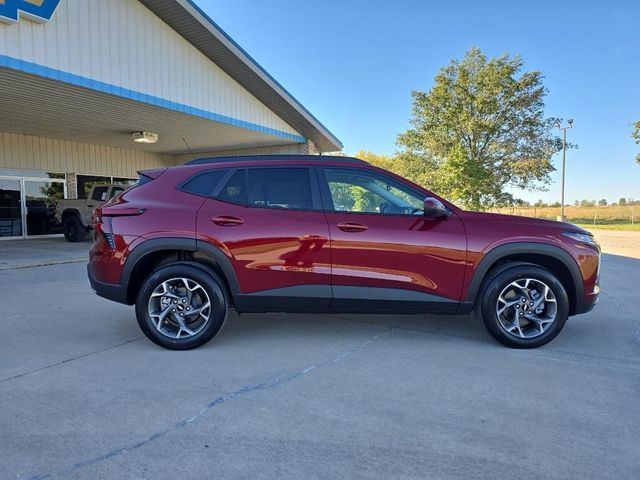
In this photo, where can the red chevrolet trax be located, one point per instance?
(328, 234)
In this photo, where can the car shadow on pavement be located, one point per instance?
(249, 328)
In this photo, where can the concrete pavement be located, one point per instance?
(84, 395)
(42, 251)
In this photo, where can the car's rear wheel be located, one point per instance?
(525, 306)
(181, 306)
(74, 231)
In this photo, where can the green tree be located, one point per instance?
(481, 129)
(383, 161)
(636, 137)
(622, 202)
(602, 202)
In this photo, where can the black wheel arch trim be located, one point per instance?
(222, 260)
(519, 248)
(177, 243)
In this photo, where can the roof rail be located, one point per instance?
(271, 158)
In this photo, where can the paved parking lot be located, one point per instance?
(84, 395)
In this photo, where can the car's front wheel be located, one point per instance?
(524, 306)
(181, 306)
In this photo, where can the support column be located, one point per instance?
(72, 186)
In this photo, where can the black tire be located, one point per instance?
(74, 231)
(488, 305)
(208, 280)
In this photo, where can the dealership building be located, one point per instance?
(81, 80)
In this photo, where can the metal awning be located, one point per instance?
(36, 105)
(195, 26)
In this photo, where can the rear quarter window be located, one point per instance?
(204, 183)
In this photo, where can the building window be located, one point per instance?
(127, 182)
(86, 182)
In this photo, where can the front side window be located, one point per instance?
(288, 188)
(368, 192)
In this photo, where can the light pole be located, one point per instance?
(564, 154)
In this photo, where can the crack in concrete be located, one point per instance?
(623, 364)
(45, 264)
(214, 403)
(634, 324)
(67, 360)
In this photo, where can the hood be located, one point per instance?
(515, 220)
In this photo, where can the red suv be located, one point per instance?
(328, 234)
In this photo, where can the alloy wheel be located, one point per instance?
(526, 308)
(179, 308)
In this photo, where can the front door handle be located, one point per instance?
(227, 221)
(352, 227)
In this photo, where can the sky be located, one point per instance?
(354, 63)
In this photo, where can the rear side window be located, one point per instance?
(204, 183)
(235, 190)
(288, 188)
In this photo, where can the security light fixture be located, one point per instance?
(145, 137)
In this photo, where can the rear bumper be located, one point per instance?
(110, 291)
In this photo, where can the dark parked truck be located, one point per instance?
(329, 234)
(75, 215)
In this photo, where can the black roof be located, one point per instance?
(271, 158)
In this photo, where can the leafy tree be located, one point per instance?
(636, 137)
(622, 202)
(481, 129)
(602, 202)
(383, 161)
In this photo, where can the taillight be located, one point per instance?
(110, 239)
(103, 218)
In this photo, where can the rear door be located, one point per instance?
(385, 253)
(269, 221)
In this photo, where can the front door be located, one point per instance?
(41, 197)
(270, 223)
(385, 253)
(10, 208)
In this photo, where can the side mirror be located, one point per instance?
(434, 208)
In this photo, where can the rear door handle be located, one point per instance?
(227, 221)
(352, 227)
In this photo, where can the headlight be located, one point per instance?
(582, 237)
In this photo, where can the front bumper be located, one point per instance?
(590, 301)
(110, 291)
